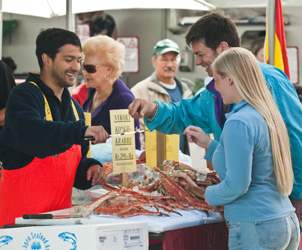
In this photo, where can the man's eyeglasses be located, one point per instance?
(89, 68)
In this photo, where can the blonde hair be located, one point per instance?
(109, 51)
(241, 66)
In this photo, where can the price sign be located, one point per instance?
(123, 145)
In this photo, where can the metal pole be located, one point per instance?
(1, 28)
(271, 12)
(70, 23)
(164, 26)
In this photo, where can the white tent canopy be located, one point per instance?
(50, 8)
(251, 3)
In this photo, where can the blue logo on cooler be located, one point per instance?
(5, 240)
(36, 245)
(36, 241)
(71, 238)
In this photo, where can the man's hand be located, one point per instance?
(198, 136)
(98, 132)
(94, 174)
(141, 108)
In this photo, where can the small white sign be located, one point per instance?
(197, 154)
(132, 53)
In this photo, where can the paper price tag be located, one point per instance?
(87, 117)
(197, 154)
(123, 147)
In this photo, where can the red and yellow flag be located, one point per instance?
(281, 60)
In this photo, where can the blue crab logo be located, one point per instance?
(36, 241)
(69, 237)
(5, 240)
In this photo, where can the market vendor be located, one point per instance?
(42, 145)
(211, 35)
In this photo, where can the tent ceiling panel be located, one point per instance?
(50, 8)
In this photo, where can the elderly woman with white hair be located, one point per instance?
(102, 67)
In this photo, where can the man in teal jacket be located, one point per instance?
(208, 37)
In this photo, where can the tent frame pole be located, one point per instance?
(271, 12)
(70, 22)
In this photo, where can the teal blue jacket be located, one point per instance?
(200, 111)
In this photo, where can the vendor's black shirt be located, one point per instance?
(27, 134)
(7, 82)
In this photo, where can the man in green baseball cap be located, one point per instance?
(165, 46)
(162, 84)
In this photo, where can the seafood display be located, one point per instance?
(157, 191)
(125, 202)
(181, 175)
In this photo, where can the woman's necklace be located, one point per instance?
(99, 99)
(96, 102)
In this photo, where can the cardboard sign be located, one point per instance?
(123, 146)
(87, 117)
(160, 147)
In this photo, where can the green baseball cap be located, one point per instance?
(164, 46)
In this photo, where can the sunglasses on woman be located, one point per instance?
(89, 68)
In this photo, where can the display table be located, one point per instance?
(156, 224)
(203, 237)
(193, 230)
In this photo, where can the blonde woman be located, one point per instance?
(102, 67)
(252, 158)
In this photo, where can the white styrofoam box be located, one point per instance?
(113, 236)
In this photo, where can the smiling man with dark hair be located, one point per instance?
(43, 147)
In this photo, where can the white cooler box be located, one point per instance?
(113, 236)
